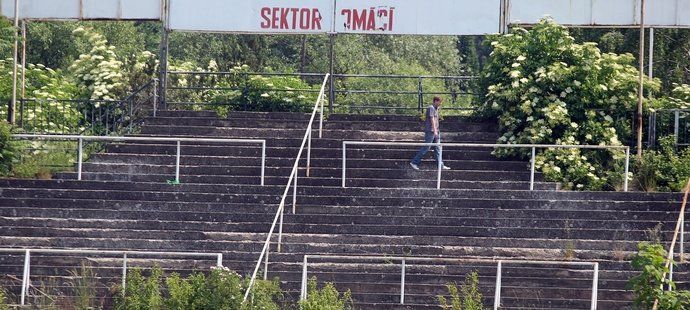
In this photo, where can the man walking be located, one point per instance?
(431, 135)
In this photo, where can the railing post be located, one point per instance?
(263, 162)
(682, 238)
(280, 225)
(155, 96)
(497, 292)
(80, 158)
(670, 274)
(344, 163)
(402, 283)
(219, 260)
(532, 164)
(676, 123)
(124, 273)
(294, 193)
(420, 94)
(303, 292)
(627, 168)
(595, 286)
(321, 96)
(268, 250)
(177, 164)
(440, 165)
(25, 277)
(308, 152)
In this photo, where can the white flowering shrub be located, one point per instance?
(679, 99)
(98, 72)
(546, 89)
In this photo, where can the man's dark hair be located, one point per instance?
(437, 99)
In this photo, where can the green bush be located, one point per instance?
(3, 300)
(7, 149)
(221, 289)
(326, 298)
(467, 297)
(39, 159)
(647, 285)
(664, 169)
(546, 89)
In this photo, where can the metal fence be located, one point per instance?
(404, 265)
(674, 122)
(346, 92)
(126, 257)
(178, 142)
(533, 147)
(86, 116)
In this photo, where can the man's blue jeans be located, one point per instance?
(428, 138)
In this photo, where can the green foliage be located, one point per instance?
(7, 32)
(98, 72)
(679, 99)
(7, 148)
(467, 297)
(3, 300)
(664, 169)
(141, 292)
(650, 261)
(84, 287)
(221, 289)
(41, 159)
(326, 298)
(546, 89)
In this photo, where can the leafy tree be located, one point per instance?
(326, 298)
(546, 89)
(649, 285)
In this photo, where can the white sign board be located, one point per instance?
(431, 17)
(252, 16)
(83, 9)
(611, 13)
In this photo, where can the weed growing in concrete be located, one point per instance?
(467, 297)
(326, 298)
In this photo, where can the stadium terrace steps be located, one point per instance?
(483, 213)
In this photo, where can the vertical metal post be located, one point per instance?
(651, 53)
(321, 95)
(640, 91)
(23, 92)
(331, 69)
(595, 286)
(440, 165)
(263, 162)
(13, 104)
(670, 274)
(303, 292)
(344, 163)
(177, 164)
(80, 158)
(497, 293)
(124, 274)
(627, 168)
(420, 94)
(219, 260)
(25, 276)
(294, 193)
(681, 248)
(268, 250)
(676, 123)
(155, 96)
(308, 151)
(280, 225)
(532, 164)
(402, 283)
(164, 47)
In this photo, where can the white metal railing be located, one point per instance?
(403, 267)
(124, 254)
(292, 181)
(479, 145)
(179, 141)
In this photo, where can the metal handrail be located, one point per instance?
(404, 260)
(292, 180)
(480, 145)
(179, 140)
(125, 254)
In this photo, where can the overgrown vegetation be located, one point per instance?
(3, 300)
(7, 149)
(664, 169)
(467, 297)
(650, 284)
(326, 298)
(221, 289)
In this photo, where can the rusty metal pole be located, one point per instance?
(640, 94)
(13, 104)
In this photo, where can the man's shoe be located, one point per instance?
(445, 167)
(415, 167)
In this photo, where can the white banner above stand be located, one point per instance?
(84, 9)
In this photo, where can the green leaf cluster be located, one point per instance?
(220, 289)
(546, 89)
(326, 298)
(665, 168)
(3, 300)
(650, 284)
(468, 297)
(7, 149)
